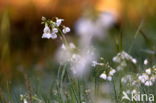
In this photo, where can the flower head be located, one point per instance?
(148, 83)
(55, 30)
(46, 32)
(148, 71)
(53, 35)
(66, 30)
(145, 62)
(112, 72)
(58, 22)
(103, 76)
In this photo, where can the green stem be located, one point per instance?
(115, 93)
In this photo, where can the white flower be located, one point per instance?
(103, 76)
(66, 30)
(134, 61)
(148, 71)
(46, 29)
(25, 101)
(134, 91)
(116, 59)
(145, 62)
(55, 30)
(123, 56)
(53, 35)
(143, 78)
(58, 22)
(148, 83)
(46, 32)
(112, 72)
(109, 78)
(47, 35)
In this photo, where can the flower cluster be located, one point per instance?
(122, 58)
(148, 77)
(25, 98)
(107, 74)
(131, 84)
(52, 28)
(130, 81)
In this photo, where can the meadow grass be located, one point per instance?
(58, 85)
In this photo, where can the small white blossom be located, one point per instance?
(66, 30)
(124, 56)
(53, 35)
(109, 78)
(148, 83)
(148, 71)
(112, 72)
(55, 30)
(148, 78)
(116, 59)
(25, 101)
(46, 32)
(134, 91)
(46, 29)
(47, 35)
(143, 78)
(58, 22)
(134, 61)
(103, 76)
(145, 62)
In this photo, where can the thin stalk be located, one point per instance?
(64, 38)
(79, 89)
(135, 35)
(115, 93)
